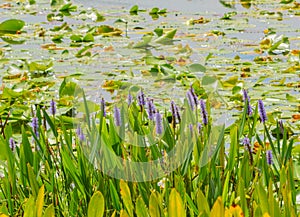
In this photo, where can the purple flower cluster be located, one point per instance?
(12, 144)
(262, 111)
(281, 126)
(52, 107)
(80, 134)
(192, 98)
(103, 107)
(35, 126)
(151, 109)
(199, 127)
(269, 157)
(204, 112)
(247, 101)
(158, 120)
(129, 99)
(247, 144)
(175, 112)
(141, 98)
(117, 115)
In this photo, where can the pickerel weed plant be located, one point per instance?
(129, 159)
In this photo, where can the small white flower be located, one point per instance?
(162, 183)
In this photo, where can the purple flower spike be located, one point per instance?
(190, 99)
(35, 126)
(269, 157)
(103, 107)
(177, 113)
(173, 110)
(52, 107)
(194, 95)
(281, 126)
(80, 134)
(12, 144)
(262, 111)
(151, 109)
(158, 120)
(129, 99)
(247, 100)
(247, 144)
(191, 129)
(82, 137)
(78, 130)
(141, 98)
(117, 115)
(204, 112)
(199, 127)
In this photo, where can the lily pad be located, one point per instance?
(196, 67)
(106, 30)
(11, 26)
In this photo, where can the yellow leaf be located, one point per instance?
(123, 213)
(40, 201)
(234, 211)
(176, 206)
(154, 209)
(218, 209)
(266, 215)
(126, 197)
(114, 214)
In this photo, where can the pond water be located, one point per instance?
(230, 40)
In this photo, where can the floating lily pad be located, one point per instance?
(106, 30)
(11, 26)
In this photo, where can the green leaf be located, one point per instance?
(30, 208)
(262, 198)
(159, 32)
(154, 208)
(42, 65)
(32, 181)
(134, 9)
(167, 37)
(286, 1)
(196, 67)
(176, 206)
(88, 38)
(12, 39)
(230, 82)
(68, 89)
(11, 26)
(140, 207)
(76, 38)
(144, 42)
(202, 203)
(92, 106)
(114, 196)
(96, 205)
(49, 211)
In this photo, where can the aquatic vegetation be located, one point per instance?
(144, 111)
